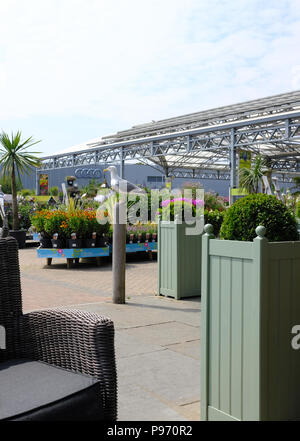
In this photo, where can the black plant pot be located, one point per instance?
(20, 236)
(101, 241)
(131, 238)
(45, 242)
(74, 243)
(57, 243)
(90, 243)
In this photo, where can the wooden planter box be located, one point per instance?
(250, 302)
(179, 261)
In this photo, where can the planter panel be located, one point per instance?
(250, 302)
(179, 259)
(281, 307)
(167, 248)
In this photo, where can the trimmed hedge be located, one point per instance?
(215, 218)
(242, 218)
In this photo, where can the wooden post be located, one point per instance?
(208, 229)
(119, 255)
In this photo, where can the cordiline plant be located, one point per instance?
(16, 160)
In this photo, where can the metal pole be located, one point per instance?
(37, 182)
(119, 255)
(122, 170)
(233, 176)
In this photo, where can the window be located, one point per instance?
(155, 179)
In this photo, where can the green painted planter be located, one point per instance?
(179, 260)
(250, 302)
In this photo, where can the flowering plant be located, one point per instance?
(141, 231)
(65, 222)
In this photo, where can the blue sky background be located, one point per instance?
(73, 70)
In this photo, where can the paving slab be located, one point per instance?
(171, 376)
(137, 404)
(190, 348)
(148, 311)
(127, 345)
(191, 411)
(164, 334)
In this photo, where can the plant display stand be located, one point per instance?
(147, 247)
(179, 261)
(250, 304)
(72, 254)
(144, 246)
(36, 237)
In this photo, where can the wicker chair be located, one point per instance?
(62, 360)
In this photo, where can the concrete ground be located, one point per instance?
(157, 338)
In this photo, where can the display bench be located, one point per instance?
(72, 254)
(36, 237)
(147, 247)
(144, 246)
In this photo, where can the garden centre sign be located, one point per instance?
(84, 173)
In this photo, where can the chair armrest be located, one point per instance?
(76, 340)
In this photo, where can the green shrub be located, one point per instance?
(53, 191)
(25, 210)
(25, 192)
(5, 182)
(242, 218)
(298, 209)
(215, 218)
(185, 208)
(213, 201)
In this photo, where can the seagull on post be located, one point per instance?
(121, 185)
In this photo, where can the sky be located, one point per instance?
(74, 70)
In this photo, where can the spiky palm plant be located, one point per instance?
(16, 160)
(250, 178)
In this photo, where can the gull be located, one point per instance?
(121, 185)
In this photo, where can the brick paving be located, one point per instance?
(48, 286)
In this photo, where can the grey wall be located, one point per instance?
(136, 173)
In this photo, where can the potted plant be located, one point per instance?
(66, 224)
(16, 160)
(74, 242)
(91, 242)
(250, 304)
(56, 241)
(70, 180)
(38, 223)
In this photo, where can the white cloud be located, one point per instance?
(140, 60)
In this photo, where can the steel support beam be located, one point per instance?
(233, 163)
(201, 148)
